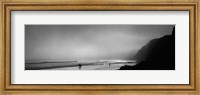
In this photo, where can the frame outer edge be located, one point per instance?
(7, 44)
(197, 48)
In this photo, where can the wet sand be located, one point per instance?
(105, 65)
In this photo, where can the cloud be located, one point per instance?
(88, 42)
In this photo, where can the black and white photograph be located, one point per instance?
(100, 47)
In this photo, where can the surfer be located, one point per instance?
(109, 64)
(79, 65)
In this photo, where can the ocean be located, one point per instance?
(79, 65)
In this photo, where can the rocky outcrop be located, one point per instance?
(158, 54)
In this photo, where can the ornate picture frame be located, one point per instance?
(8, 6)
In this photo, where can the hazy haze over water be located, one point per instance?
(88, 42)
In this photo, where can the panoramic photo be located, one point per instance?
(100, 47)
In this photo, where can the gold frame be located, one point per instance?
(8, 6)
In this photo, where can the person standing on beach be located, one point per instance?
(79, 65)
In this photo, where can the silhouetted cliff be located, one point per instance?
(158, 54)
(145, 50)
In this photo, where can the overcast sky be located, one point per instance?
(88, 42)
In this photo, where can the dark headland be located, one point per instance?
(158, 54)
